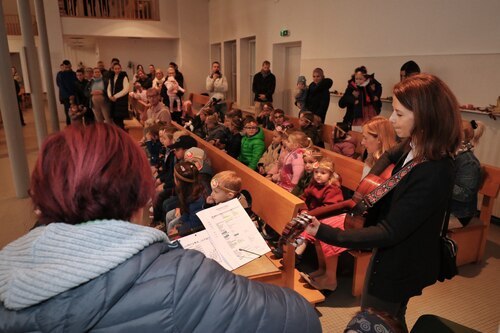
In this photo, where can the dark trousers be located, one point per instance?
(66, 110)
(395, 309)
(158, 212)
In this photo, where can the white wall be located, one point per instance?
(142, 51)
(194, 61)
(458, 40)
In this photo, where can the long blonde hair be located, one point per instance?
(300, 139)
(380, 128)
(472, 131)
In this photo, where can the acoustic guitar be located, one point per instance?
(355, 208)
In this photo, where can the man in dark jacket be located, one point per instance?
(66, 83)
(264, 83)
(82, 95)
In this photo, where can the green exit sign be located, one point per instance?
(284, 33)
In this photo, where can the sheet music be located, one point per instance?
(233, 233)
(200, 241)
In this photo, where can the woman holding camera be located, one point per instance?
(216, 84)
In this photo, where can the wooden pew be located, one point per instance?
(471, 240)
(274, 205)
(133, 125)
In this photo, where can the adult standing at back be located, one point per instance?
(173, 107)
(408, 69)
(118, 89)
(66, 83)
(217, 87)
(264, 83)
(318, 94)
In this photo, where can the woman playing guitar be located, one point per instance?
(404, 226)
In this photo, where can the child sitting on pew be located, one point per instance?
(468, 176)
(232, 146)
(252, 144)
(306, 123)
(199, 158)
(269, 159)
(343, 142)
(76, 112)
(265, 116)
(226, 185)
(215, 131)
(191, 195)
(323, 190)
(279, 119)
(291, 163)
(311, 157)
(153, 145)
(165, 183)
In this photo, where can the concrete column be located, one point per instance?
(44, 45)
(33, 69)
(10, 116)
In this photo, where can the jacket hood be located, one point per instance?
(52, 259)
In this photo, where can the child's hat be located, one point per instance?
(196, 156)
(301, 79)
(184, 141)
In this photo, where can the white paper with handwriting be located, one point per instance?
(230, 237)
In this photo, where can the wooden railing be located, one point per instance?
(117, 9)
(13, 26)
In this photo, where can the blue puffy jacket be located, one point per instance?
(167, 290)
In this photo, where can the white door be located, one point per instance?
(251, 69)
(292, 71)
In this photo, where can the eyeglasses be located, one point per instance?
(278, 116)
(152, 96)
(250, 127)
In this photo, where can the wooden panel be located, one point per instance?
(361, 261)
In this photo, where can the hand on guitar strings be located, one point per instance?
(312, 228)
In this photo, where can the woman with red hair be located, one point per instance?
(404, 226)
(86, 267)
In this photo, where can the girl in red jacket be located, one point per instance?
(324, 190)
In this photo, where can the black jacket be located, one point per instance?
(264, 85)
(366, 97)
(404, 231)
(120, 106)
(318, 97)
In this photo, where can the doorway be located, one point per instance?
(247, 71)
(286, 60)
(229, 69)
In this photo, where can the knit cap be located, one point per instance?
(301, 79)
(196, 156)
